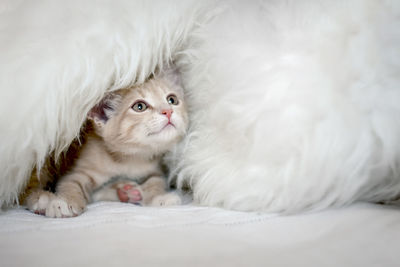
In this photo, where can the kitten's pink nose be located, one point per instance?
(167, 112)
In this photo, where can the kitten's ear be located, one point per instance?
(105, 109)
(173, 76)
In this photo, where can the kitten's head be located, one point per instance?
(143, 120)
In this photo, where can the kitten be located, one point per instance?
(127, 134)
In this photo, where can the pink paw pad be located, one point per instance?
(128, 193)
(40, 212)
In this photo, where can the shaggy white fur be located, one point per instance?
(58, 58)
(294, 104)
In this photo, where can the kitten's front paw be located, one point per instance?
(169, 199)
(48, 204)
(62, 208)
(38, 201)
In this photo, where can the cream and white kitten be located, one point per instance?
(131, 130)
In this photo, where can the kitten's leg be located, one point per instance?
(38, 200)
(167, 199)
(105, 194)
(72, 196)
(155, 194)
(150, 193)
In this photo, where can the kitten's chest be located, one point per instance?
(135, 168)
(96, 162)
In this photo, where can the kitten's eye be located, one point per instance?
(139, 106)
(172, 99)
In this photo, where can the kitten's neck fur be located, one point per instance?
(121, 157)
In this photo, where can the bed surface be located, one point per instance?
(118, 234)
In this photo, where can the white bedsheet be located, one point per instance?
(118, 234)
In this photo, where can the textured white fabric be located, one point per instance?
(117, 234)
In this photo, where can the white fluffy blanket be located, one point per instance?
(294, 104)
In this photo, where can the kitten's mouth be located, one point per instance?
(168, 125)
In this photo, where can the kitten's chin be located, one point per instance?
(151, 145)
(169, 127)
(169, 135)
(165, 138)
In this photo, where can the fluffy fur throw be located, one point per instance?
(294, 104)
